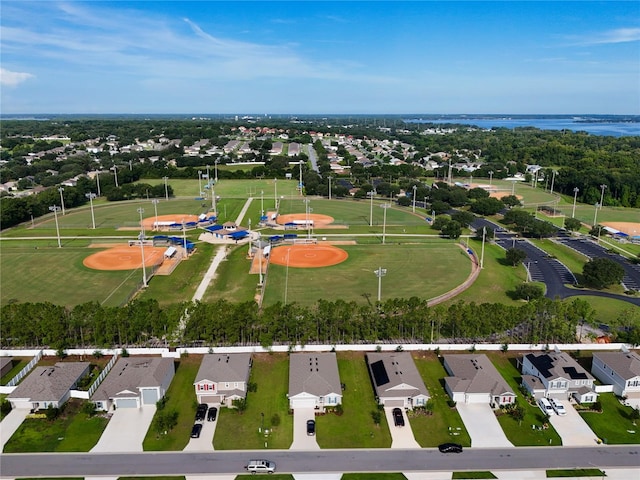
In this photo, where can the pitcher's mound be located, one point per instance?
(308, 256)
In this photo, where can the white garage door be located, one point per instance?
(126, 403)
(477, 398)
(149, 396)
(303, 403)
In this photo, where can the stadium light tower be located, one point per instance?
(553, 179)
(155, 202)
(61, 189)
(490, 179)
(166, 188)
(275, 193)
(414, 198)
(602, 187)
(141, 238)
(115, 172)
(575, 197)
(329, 177)
(371, 209)
(54, 209)
(200, 182)
(384, 206)
(380, 272)
(91, 196)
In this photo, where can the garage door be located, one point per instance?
(149, 396)
(126, 403)
(303, 403)
(394, 403)
(215, 399)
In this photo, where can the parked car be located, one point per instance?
(450, 448)
(201, 412)
(398, 418)
(212, 414)
(260, 466)
(545, 406)
(311, 427)
(195, 431)
(557, 407)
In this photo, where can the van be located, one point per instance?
(545, 406)
(260, 466)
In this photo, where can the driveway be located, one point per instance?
(126, 430)
(482, 425)
(10, 424)
(204, 443)
(573, 430)
(401, 437)
(302, 441)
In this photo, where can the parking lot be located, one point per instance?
(573, 430)
(126, 430)
(482, 425)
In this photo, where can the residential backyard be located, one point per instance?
(615, 424)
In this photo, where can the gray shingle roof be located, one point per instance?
(474, 373)
(131, 373)
(233, 367)
(48, 384)
(627, 365)
(395, 374)
(313, 373)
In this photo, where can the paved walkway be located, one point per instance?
(10, 424)
(126, 430)
(221, 254)
(401, 437)
(302, 441)
(482, 425)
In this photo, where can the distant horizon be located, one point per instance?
(334, 114)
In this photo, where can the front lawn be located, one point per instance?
(355, 428)
(521, 433)
(72, 431)
(267, 408)
(444, 424)
(180, 397)
(615, 424)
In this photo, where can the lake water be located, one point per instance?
(610, 128)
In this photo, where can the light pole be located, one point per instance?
(166, 188)
(61, 198)
(260, 251)
(215, 165)
(490, 179)
(329, 177)
(286, 277)
(575, 197)
(380, 272)
(98, 182)
(513, 187)
(213, 202)
(91, 196)
(553, 179)
(261, 203)
(602, 187)
(141, 238)
(275, 193)
(115, 172)
(371, 209)
(384, 206)
(414, 198)
(484, 233)
(155, 202)
(54, 209)
(200, 182)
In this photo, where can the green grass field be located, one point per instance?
(424, 271)
(232, 188)
(615, 424)
(233, 282)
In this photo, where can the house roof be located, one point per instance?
(313, 373)
(4, 361)
(627, 365)
(532, 382)
(394, 374)
(474, 373)
(232, 367)
(557, 365)
(46, 384)
(129, 374)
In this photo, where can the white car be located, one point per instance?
(545, 406)
(558, 407)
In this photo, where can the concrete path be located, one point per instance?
(573, 430)
(243, 212)
(428, 475)
(10, 424)
(221, 254)
(302, 441)
(401, 437)
(126, 430)
(482, 425)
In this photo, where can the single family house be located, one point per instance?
(396, 380)
(134, 382)
(314, 381)
(223, 378)
(474, 379)
(48, 386)
(620, 369)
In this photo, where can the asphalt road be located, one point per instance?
(378, 460)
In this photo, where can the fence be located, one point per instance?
(28, 367)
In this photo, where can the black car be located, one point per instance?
(398, 418)
(212, 414)
(201, 413)
(195, 431)
(311, 427)
(450, 448)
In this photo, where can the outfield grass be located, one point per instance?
(72, 431)
(432, 430)
(424, 271)
(231, 188)
(233, 281)
(520, 433)
(180, 397)
(614, 425)
(239, 430)
(355, 427)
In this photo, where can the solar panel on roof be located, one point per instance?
(379, 373)
(573, 373)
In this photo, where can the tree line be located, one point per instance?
(222, 323)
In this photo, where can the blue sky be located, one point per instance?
(320, 57)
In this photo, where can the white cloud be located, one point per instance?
(12, 79)
(618, 35)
